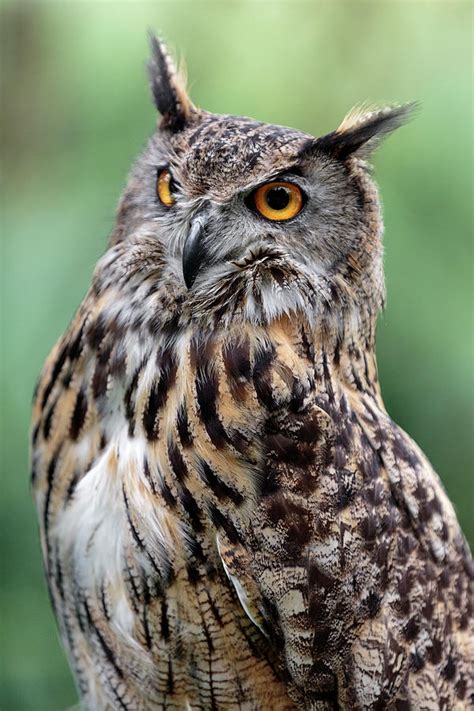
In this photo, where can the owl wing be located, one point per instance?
(353, 558)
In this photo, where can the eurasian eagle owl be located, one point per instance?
(229, 517)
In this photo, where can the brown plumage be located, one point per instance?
(229, 517)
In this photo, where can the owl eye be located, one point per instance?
(165, 187)
(278, 200)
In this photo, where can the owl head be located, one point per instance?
(253, 219)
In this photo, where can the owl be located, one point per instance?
(229, 517)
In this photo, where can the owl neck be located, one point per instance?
(340, 303)
(336, 318)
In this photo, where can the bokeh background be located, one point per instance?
(76, 110)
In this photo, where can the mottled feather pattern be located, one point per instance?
(229, 517)
(187, 440)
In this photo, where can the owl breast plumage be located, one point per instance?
(229, 517)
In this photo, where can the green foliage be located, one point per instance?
(75, 112)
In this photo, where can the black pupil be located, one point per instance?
(171, 183)
(278, 198)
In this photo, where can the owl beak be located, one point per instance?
(193, 250)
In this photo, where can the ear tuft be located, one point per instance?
(168, 86)
(362, 130)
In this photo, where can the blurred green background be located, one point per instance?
(75, 111)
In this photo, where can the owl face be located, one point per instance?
(270, 212)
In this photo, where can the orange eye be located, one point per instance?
(164, 187)
(278, 200)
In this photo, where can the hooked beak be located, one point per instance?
(193, 249)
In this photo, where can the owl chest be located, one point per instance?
(146, 576)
